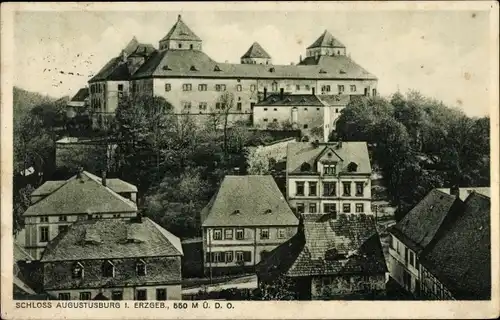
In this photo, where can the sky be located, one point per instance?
(442, 54)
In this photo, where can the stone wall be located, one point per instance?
(332, 287)
(258, 157)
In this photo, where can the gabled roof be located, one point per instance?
(180, 31)
(327, 246)
(113, 244)
(419, 227)
(78, 195)
(256, 51)
(291, 100)
(81, 95)
(461, 256)
(326, 40)
(114, 70)
(178, 63)
(245, 201)
(299, 153)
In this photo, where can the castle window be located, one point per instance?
(346, 207)
(180, 45)
(359, 208)
(120, 87)
(203, 106)
(322, 71)
(77, 271)
(187, 87)
(353, 88)
(297, 87)
(238, 106)
(359, 189)
(307, 87)
(216, 68)
(108, 269)
(264, 233)
(265, 119)
(341, 88)
(299, 188)
(202, 87)
(191, 46)
(312, 208)
(44, 234)
(275, 120)
(306, 126)
(300, 208)
(329, 189)
(44, 219)
(271, 69)
(252, 87)
(274, 86)
(193, 68)
(238, 87)
(265, 109)
(220, 87)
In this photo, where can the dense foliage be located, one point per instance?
(418, 144)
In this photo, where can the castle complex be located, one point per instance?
(193, 83)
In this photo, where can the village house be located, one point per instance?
(246, 219)
(115, 259)
(329, 177)
(55, 205)
(430, 251)
(193, 83)
(330, 258)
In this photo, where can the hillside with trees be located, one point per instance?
(418, 143)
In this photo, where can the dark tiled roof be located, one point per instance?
(112, 234)
(299, 153)
(419, 226)
(115, 69)
(326, 246)
(256, 51)
(20, 254)
(81, 95)
(143, 50)
(180, 31)
(131, 46)
(461, 257)
(291, 100)
(178, 63)
(252, 196)
(326, 40)
(335, 99)
(81, 195)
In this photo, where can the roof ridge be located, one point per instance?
(116, 195)
(169, 236)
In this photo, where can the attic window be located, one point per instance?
(305, 167)
(268, 211)
(77, 271)
(329, 154)
(165, 67)
(193, 68)
(236, 211)
(271, 70)
(216, 68)
(352, 167)
(342, 71)
(322, 71)
(108, 269)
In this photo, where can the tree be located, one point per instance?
(279, 289)
(21, 203)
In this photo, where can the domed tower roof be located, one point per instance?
(326, 40)
(256, 51)
(180, 31)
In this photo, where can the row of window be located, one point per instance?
(227, 234)
(187, 105)
(409, 256)
(97, 87)
(44, 232)
(228, 256)
(204, 87)
(140, 294)
(107, 269)
(340, 87)
(330, 208)
(329, 188)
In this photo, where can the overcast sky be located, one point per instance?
(443, 54)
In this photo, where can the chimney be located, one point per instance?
(339, 144)
(265, 93)
(313, 91)
(103, 178)
(300, 58)
(455, 191)
(139, 217)
(179, 17)
(282, 93)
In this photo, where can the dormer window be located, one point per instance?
(236, 211)
(352, 167)
(268, 211)
(166, 67)
(342, 71)
(305, 167)
(271, 69)
(216, 68)
(329, 169)
(322, 71)
(193, 68)
(140, 268)
(77, 272)
(108, 269)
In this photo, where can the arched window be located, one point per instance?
(352, 167)
(108, 269)
(77, 272)
(305, 167)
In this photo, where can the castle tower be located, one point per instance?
(326, 45)
(180, 37)
(256, 55)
